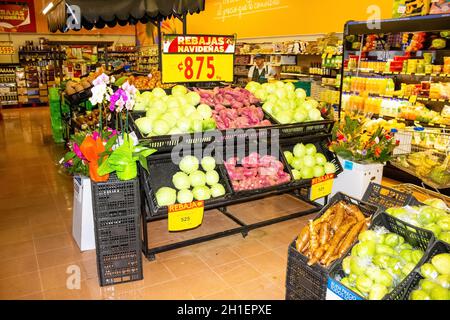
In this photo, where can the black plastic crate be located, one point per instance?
(165, 144)
(116, 208)
(301, 129)
(79, 97)
(246, 149)
(310, 282)
(108, 198)
(417, 237)
(291, 294)
(321, 146)
(385, 197)
(161, 171)
(412, 281)
(118, 234)
(119, 267)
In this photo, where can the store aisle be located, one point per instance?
(36, 246)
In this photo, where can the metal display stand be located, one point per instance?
(243, 227)
(298, 189)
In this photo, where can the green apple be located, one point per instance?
(297, 163)
(416, 256)
(364, 283)
(406, 255)
(393, 240)
(427, 285)
(296, 173)
(439, 293)
(428, 271)
(377, 292)
(419, 295)
(434, 227)
(385, 249)
(289, 156)
(366, 248)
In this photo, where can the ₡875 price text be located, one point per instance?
(194, 68)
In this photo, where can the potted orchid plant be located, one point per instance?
(102, 152)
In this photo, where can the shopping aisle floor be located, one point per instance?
(37, 251)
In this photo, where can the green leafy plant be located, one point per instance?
(123, 159)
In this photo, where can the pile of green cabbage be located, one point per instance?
(285, 103)
(378, 263)
(434, 217)
(436, 282)
(177, 113)
(307, 163)
(191, 183)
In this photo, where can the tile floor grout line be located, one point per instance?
(211, 269)
(39, 272)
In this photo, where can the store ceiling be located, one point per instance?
(101, 13)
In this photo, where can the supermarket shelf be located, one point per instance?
(413, 173)
(7, 103)
(370, 73)
(37, 51)
(329, 86)
(412, 122)
(421, 99)
(303, 75)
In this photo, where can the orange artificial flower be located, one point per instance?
(91, 148)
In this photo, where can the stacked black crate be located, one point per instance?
(116, 206)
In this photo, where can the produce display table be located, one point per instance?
(317, 133)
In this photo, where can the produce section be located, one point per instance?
(185, 172)
(401, 74)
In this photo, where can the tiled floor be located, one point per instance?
(38, 254)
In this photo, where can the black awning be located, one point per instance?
(101, 13)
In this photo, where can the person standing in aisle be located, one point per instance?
(260, 72)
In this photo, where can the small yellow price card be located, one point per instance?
(185, 216)
(321, 186)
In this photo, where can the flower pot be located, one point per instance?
(356, 177)
(83, 219)
(129, 172)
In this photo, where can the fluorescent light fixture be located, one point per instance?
(48, 8)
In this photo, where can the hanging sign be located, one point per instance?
(185, 216)
(197, 58)
(17, 16)
(321, 186)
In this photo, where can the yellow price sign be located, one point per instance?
(198, 58)
(185, 216)
(197, 68)
(321, 186)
